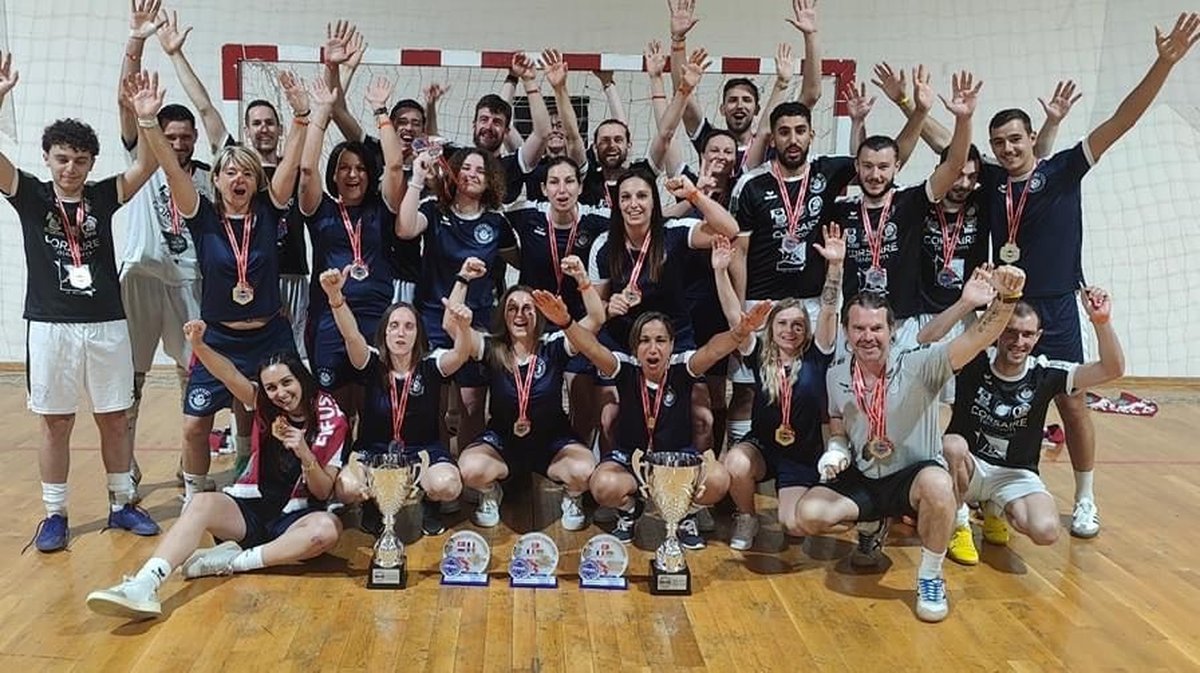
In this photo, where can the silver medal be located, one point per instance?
(80, 277)
(947, 278)
(359, 271)
(876, 279)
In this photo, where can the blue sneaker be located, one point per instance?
(689, 533)
(932, 605)
(624, 528)
(52, 534)
(133, 519)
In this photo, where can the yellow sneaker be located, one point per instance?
(995, 529)
(962, 547)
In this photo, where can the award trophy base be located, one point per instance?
(388, 578)
(663, 583)
(616, 583)
(466, 580)
(534, 582)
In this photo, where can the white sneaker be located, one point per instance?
(932, 604)
(216, 560)
(572, 512)
(1085, 520)
(704, 520)
(487, 514)
(131, 599)
(745, 527)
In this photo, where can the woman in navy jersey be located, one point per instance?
(462, 220)
(575, 228)
(236, 246)
(788, 361)
(528, 428)
(276, 513)
(352, 225)
(655, 413)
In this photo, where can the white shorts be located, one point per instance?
(156, 310)
(947, 394)
(404, 291)
(738, 371)
(293, 292)
(1001, 485)
(66, 359)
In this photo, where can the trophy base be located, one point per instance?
(380, 577)
(663, 583)
(613, 583)
(466, 580)
(534, 582)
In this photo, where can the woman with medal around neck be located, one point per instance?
(276, 512)
(236, 247)
(401, 410)
(351, 225)
(461, 221)
(655, 412)
(528, 429)
(789, 361)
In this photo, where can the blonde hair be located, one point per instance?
(243, 158)
(771, 359)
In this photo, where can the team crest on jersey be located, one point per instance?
(817, 184)
(1037, 182)
(581, 239)
(669, 398)
(418, 386)
(200, 398)
(779, 215)
(814, 205)
(851, 237)
(539, 369)
(889, 231)
(325, 376)
(484, 233)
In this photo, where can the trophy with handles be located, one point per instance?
(394, 479)
(672, 479)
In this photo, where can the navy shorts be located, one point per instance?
(878, 498)
(1061, 336)
(787, 466)
(327, 351)
(246, 349)
(265, 523)
(535, 451)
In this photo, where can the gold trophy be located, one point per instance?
(672, 479)
(394, 480)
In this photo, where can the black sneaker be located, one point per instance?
(431, 520)
(869, 551)
(689, 533)
(626, 520)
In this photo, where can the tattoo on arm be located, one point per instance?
(833, 287)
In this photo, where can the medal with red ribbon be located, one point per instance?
(1010, 252)
(552, 237)
(793, 210)
(358, 268)
(243, 292)
(873, 402)
(399, 406)
(650, 414)
(522, 426)
(946, 277)
(876, 276)
(784, 434)
(79, 276)
(633, 296)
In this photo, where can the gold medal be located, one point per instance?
(522, 427)
(632, 296)
(1010, 253)
(784, 435)
(880, 448)
(243, 294)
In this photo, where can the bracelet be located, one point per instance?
(132, 57)
(686, 90)
(416, 185)
(462, 279)
(1012, 298)
(690, 196)
(530, 92)
(903, 102)
(308, 466)
(339, 304)
(1100, 320)
(147, 122)
(678, 39)
(677, 46)
(300, 121)
(659, 96)
(584, 287)
(568, 325)
(382, 123)
(380, 111)
(303, 114)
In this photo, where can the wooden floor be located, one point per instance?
(1124, 601)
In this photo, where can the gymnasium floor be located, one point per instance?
(1124, 601)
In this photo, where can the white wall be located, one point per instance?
(1138, 201)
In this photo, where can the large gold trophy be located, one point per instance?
(394, 480)
(672, 479)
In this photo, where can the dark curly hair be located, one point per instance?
(358, 149)
(495, 186)
(71, 133)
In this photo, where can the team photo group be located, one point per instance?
(547, 303)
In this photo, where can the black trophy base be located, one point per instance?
(388, 578)
(663, 583)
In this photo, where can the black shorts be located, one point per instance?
(788, 467)
(265, 521)
(534, 452)
(878, 498)
(473, 374)
(1061, 338)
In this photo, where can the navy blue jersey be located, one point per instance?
(406, 255)
(422, 412)
(1051, 231)
(292, 248)
(597, 191)
(537, 267)
(809, 402)
(665, 295)
(970, 251)
(448, 241)
(545, 397)
(49, 294)
(762, 216)
(899, 253)
(673, 424)
(215, 255)
(332, 250)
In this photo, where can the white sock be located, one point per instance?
(192, 484)
(250, 559)
(120, 484)
(241, 445)
(1083, 486)
(736, 429)
(931, 564)
(962, 518)
(155, 571)
(54, 497)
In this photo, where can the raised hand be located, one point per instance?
(893, 84)
(333, 280)
(605, 77)
(922, 89)
(552, 306)
(555, 68)
(473, 268)
(680, 187)
(321, 95)
(964, 95)
(292, 439)
(858, 103)
(978, 290)
(169, 35)
(1097, 304)
(422, 167)
(460, 316)
(379, 91)
(573, 267)
(1008, 280)
(355, 50)
(694, 69)
(8, 76)
(144, 18)
(683, 17)
(193, 330)
(707, 182)
(834, 250)
(1060, 103)
(522, 66)
(805, 12)
(656, 59)
(722, 253)
(294, 91)
(338, 39)
(143, 94)
(1175, 45)
(617, 305)
(433, 92)
(753, 320)
(785, 63)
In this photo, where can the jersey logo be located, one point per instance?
(418, 386)
(780, 216)
(484, 233)
(539, 369)
(581, 239)
(817, 184)
(1025, 394)
(200, 398)
(669, 398)
(814, 205)
(1037, 182)
(325, 376)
